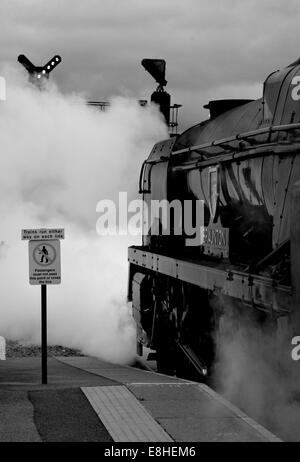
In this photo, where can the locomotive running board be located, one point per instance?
(259, 291)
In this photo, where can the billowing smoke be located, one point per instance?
(255, 370)
(58, 159)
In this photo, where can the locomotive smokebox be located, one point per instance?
(163, 99)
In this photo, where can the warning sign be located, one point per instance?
(44, 262)
(43, 234)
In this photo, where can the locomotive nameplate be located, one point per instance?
(216, 241)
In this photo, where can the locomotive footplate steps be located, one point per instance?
(87, 399)
(193, 359)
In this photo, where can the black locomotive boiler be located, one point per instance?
(244, 163)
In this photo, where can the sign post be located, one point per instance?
(44, 269)
(44, 333)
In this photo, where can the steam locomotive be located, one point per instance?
(244, 164)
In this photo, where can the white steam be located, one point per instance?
(58, 159)
(255, 371)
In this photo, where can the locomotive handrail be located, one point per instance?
(219, 158)
(143, 190)
(239, 137)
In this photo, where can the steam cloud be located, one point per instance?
(255, 371)
(58, 159)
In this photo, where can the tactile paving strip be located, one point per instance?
(124, 416)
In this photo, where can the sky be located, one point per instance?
(213, 49)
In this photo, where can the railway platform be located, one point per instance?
(87, 399)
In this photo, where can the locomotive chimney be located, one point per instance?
(163, 99)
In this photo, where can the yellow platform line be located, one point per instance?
(124, 416)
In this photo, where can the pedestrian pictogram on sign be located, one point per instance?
(44, 262)
(44, 254)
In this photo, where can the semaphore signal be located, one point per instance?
(38, 74)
